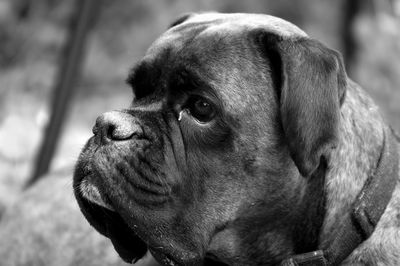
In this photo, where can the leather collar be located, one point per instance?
(367, 209)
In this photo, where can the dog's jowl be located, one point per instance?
(245, 144)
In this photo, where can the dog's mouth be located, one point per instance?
(125, 241)
(130, 247)
(109, 223)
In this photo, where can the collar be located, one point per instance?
(367, 209)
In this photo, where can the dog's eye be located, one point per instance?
(200, 109)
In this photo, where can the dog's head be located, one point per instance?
(231, 116)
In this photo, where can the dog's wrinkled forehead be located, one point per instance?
(218, 23)
(218, 47)
(240, 21)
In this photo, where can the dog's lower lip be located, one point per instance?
(91, 193)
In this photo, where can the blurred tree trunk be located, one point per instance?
(69, 70)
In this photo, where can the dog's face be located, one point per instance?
(217, 144)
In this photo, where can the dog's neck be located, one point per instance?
(345, 200)
(361, 139)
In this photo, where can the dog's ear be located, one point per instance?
(182, 18)
(311, 86)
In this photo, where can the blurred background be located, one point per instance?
(41, 225)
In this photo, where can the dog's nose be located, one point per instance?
(116, 126)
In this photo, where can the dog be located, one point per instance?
(245, 144)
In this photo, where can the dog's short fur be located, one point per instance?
(240, 188)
